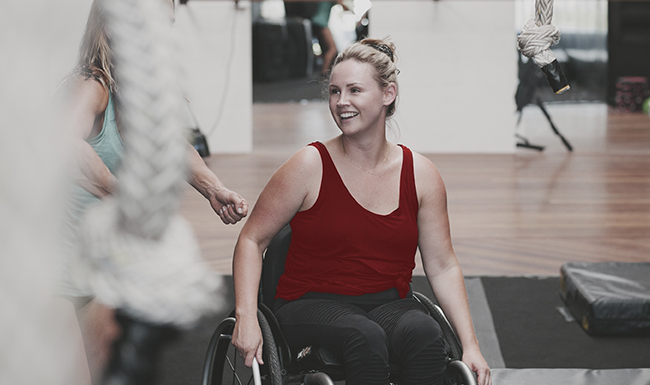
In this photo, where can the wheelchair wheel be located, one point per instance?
(456, 349)
(458, 373)
(224, 366)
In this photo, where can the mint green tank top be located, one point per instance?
(109, 146)
(108, 143)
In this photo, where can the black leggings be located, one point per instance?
(366, 336)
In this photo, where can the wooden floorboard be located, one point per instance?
(512, 214)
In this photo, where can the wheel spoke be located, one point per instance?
(235, 376)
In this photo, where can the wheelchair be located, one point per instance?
(313, 365)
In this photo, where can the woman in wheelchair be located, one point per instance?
(359, 206)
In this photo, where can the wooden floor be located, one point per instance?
(518, 214)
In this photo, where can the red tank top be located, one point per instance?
(339, 247)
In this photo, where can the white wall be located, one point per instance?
(63, 36)
(207, 30)
(457, 61)
(212, 31)
(458, 73)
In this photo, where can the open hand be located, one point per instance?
(474, 359)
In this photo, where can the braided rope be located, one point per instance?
(538, 35)
(154, 163)
(138, 255)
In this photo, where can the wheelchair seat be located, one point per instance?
(313, 364)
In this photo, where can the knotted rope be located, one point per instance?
(137, 255)
(537, 37)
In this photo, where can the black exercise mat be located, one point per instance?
(533, 334)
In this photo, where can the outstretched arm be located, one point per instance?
(85, 114)
(441, 265)
(229, 205)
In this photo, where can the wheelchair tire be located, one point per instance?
(458, 373)
(273, 370)
(456, 350)
(223, 365)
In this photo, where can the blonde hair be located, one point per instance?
(95, 57)
(381, 55)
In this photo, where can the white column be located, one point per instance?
(217, 54)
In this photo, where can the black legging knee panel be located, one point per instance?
(424, 367)
(342, 328)
(401, 330)
(415, 341)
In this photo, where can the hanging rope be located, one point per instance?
(535, 41)
(137, 255)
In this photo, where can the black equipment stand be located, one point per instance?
(526, 144)
(530, 79)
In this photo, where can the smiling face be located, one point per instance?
(356, 99)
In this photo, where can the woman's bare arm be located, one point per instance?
(291, 189)
(441, 264)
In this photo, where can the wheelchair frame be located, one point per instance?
(222, 364)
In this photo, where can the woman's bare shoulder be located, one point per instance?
(85, 104)
(427, 177)
(292, 187)
(305, 159)
(90, 92)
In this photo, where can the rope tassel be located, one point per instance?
(537, 37)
